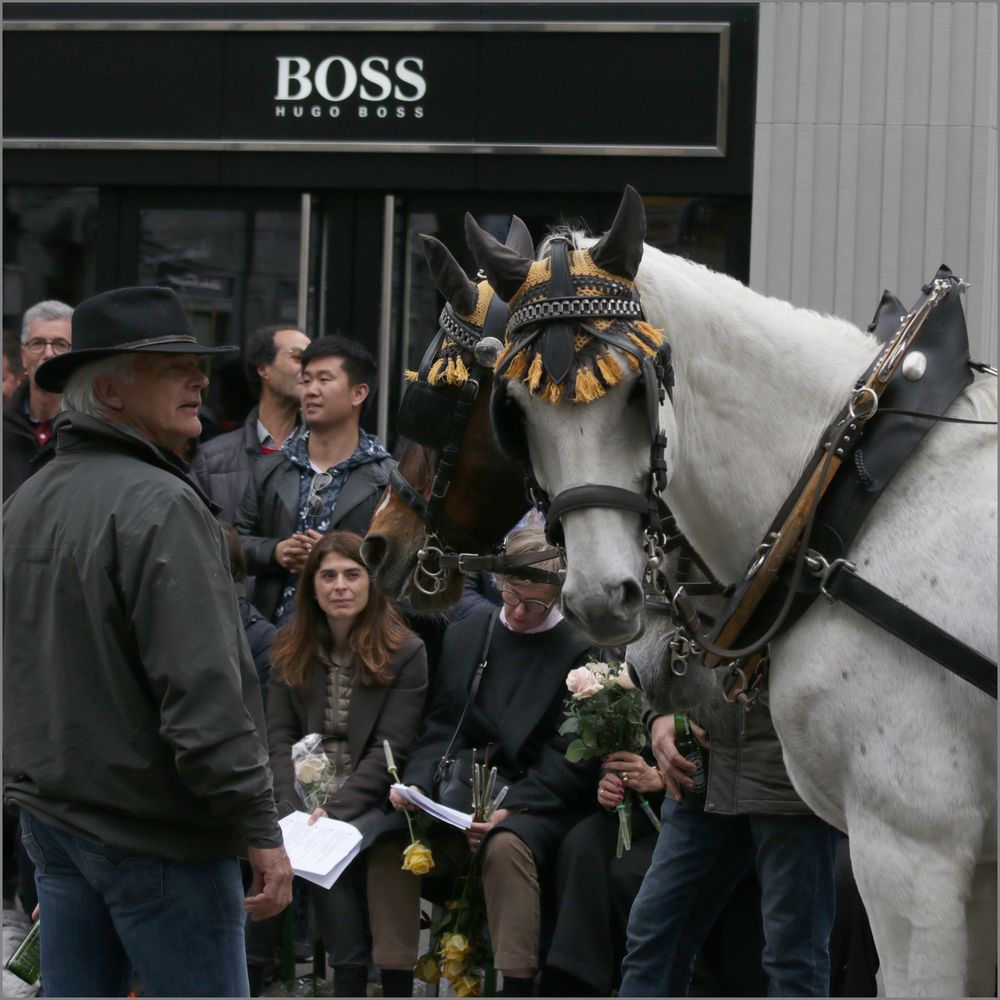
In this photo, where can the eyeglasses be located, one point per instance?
(314, 502)
(37, 345)
(512, 599)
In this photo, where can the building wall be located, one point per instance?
(876, 155)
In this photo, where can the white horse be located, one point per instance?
(880, 741)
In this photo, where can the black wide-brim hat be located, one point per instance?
(143, 320)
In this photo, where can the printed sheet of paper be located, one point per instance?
(321, 852)
(444, 813)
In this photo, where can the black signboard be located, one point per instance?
(650, 89)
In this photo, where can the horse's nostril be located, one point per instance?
(632, 597)
(373, 550)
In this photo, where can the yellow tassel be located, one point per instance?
(518, 366)
(640, 343)
(437, 370)
(411, 376)
(461, 372)
(653, 336)
(587, 387)
(607, 365)
(633, 361)
(534, 378)
(553, 392)
(449, 372)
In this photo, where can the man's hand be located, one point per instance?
(271, 890)
(292, 553)
(673, 767)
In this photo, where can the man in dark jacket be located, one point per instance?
(27, 417)
(327, 477)
(132, 712)
(221, 466)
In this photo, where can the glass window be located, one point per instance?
(689, 227)
(49, 247)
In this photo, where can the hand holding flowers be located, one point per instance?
(605, 713)
(417, 856)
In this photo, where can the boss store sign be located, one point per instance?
(649, 89)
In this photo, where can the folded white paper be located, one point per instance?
(444, 813)
(321, 852)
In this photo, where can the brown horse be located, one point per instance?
(486, 494)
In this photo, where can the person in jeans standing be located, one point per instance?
(752, 817)
(133, 719)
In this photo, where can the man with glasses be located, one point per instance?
(328, 476)
(27, 418)
(222, 465)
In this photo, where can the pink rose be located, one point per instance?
(582, 683)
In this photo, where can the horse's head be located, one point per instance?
(580, 389)
(445, 414)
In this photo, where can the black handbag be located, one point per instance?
(453, 774)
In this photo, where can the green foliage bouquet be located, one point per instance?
(604, 713)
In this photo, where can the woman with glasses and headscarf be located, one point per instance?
(509, 713)
(347, 668)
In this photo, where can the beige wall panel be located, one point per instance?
(876, 154)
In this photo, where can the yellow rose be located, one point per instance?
(417, 858)
(454, 968)
(467, 986)
(427, 969)
(455, 946)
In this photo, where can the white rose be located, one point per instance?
(582, 683)
(309, 770)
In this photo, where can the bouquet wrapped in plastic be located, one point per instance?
(314, 774)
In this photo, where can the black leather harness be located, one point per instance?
(552, 323)
(872, 450)
(436, 417)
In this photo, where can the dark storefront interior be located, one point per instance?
(250, 224)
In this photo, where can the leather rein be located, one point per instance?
(789, 538)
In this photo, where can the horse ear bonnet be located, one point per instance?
(619, 250)
(506, 268)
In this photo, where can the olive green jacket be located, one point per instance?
(132, 710)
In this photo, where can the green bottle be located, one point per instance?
(690, 749)
(26, 962)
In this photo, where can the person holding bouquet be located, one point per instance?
(595, 885)
(345, 668)
(512, 716)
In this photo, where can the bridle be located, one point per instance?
(436, 418)
(549, 324)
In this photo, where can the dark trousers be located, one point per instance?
(699, 860)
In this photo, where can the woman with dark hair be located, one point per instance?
(347, 668)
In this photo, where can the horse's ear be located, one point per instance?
(452, 282)
(519, 238)
(505, 267)
(619, 250)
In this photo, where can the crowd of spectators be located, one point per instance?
(159, 670)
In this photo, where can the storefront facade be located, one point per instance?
(279, 165)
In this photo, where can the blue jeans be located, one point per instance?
(105, 912)
(699, 859)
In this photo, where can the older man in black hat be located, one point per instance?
(132, 710)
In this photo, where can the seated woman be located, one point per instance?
(514, 713)
(595, 889)
(347, 668)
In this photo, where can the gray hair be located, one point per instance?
(78, 393)
(530, 538)
(46, 311)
